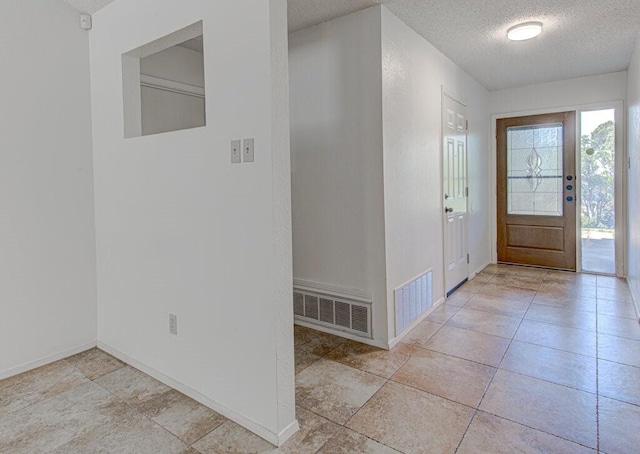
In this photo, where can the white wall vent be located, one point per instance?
(332, 311)
(412, 300)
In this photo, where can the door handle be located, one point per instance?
(448, 210)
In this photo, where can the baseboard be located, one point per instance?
(276, 439)
(285, 434)
(415, 323)
(479, 270)
(635, 299)
(26, 367)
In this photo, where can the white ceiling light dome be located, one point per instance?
(524, 31)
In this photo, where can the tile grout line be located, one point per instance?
(475, 412)
(344, 426)
(133, 407)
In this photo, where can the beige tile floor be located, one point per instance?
(517, 361)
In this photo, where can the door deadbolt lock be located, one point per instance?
(448, 210)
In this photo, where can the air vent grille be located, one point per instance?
(412, 300)
(332, 311)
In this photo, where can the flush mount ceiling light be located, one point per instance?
(522, 32)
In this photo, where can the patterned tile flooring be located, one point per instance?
(518, 360)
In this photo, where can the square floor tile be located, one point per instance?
(508, 292)
(37, 385)
(617, 309)
(612, 282)
(131, 433)
(446, 376)
(489, 434)
(482, 277)
(132, 386)
(459, 298)
(523, 282)
(316, 342)
(314, 432)
(421, 334)
(347, 441)
(412, 421)
(442, 313)
(485, 322)
(372, 359)
(564, 368)
(618, 326)
(472, 286)
(615, 294)
(304, 357)
(562, 316)
(479, 347)
(619, 381)
(49, 424)
(568, 276)
(619, 349)
(572, 302)
(558, 337)
(334, 390)
(95, 363)
(619, 432)
(555, 409)
(521, 271)
(231, 438)
(181, 415)
(502, 306)
(568, 288)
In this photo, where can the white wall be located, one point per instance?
(367, 198)
(414, 73)
(336, 143)
(181, 230)
(633, 150)
(47, 265)
(564, 93)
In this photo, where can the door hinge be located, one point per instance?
(629, 162)
(467, 125)
(468, 259)
(466, 192)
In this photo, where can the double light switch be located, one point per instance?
(242, 151)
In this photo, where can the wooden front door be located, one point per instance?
(537, 190)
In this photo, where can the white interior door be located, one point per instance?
(454, 172)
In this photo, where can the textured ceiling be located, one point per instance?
(89, 6)
(580, 37)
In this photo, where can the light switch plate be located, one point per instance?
(247, 150)
(173, 324)
(236, 146)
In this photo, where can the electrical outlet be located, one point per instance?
(173, 324)
(236, 145)
(247, 150)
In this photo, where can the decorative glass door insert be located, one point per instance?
(535, 170)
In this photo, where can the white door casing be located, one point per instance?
(455, 192)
